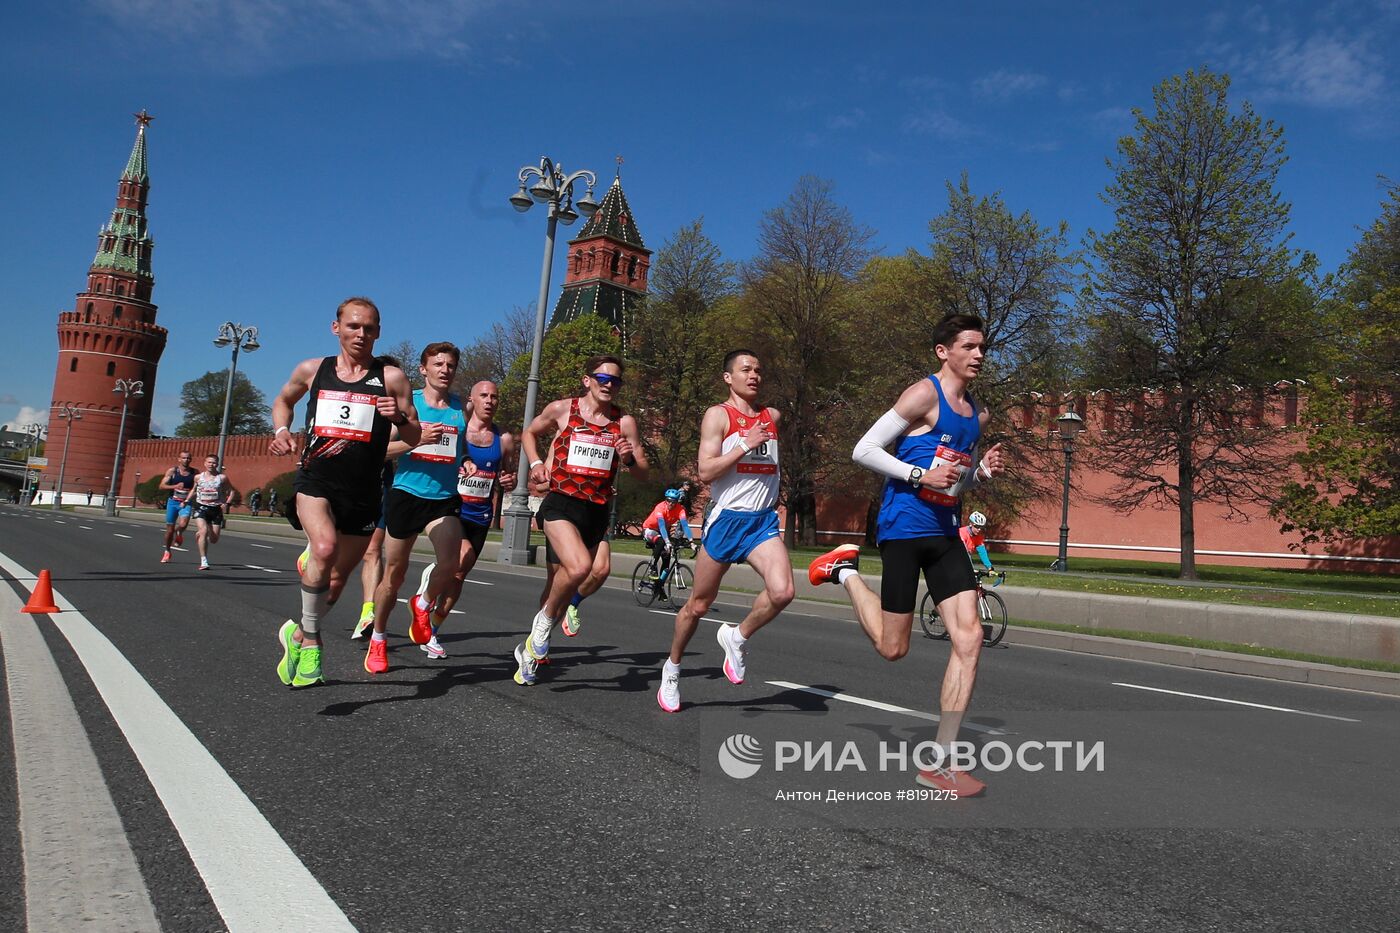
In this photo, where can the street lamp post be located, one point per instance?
(556, 190)
(1069, 425)
(242, 338)
(70, 414)
(32, 432)
(128, 389)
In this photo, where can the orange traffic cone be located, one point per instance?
(41, 600)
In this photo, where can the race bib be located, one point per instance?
(762, 459)
(444, 451)
(347, 415)
(476, 488)
(947, 495)
(591, 454)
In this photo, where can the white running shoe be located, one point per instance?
(525, 673)
(733, 654)
(434, 649)
(669, 696)
(540, 630)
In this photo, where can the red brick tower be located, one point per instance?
(111, 334)
(607, 270)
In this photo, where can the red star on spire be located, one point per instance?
(143, 119)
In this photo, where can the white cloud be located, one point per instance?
(28, 415)
(846, 121)
(1006, 85)
(937, 123)
(253, 34)
(1322, 71)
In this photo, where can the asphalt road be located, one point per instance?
(442, 796)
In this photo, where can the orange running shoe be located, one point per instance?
(421, 628)
(377, 658)
(824, 568)
(960, 782)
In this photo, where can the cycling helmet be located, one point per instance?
(673, 495)
(977, 520)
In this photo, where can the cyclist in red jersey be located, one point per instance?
(593, 439)
(974, 541)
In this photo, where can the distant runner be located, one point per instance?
(179, 482)
(211, 495)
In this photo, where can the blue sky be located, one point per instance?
(306, 151)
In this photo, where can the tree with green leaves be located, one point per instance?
(1194, 301)
(1350, 487)
(676, 348)
(562, 355)
(202, 400)
(406, 352)
(491, 355)
(797, 299)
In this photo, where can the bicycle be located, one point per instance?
(991, 609)
(672, 585)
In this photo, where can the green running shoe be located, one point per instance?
(308, 667)
(291, 652)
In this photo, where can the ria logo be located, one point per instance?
(740, 756)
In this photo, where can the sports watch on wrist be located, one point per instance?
(916, 474)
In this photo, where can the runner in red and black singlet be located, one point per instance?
(593, 439)
(353, 400)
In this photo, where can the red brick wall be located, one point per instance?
(246, 459)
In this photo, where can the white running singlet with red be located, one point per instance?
(751, 485)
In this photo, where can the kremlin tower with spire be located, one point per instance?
(607, 266)
(111, 334)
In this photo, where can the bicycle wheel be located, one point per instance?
(679, 584)
(992, 609)
(928, 618)
(643, 586)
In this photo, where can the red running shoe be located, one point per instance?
(165, 557)
(824, 568)
(421, 628)
(961, 783)
(377, 658)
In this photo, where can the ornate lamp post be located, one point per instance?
(33, 431)
(128, 389)
(70, 414)
(242, 338)
(556, 190)
(1069, 425)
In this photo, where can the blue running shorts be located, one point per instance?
(174, 509)
(731, 536)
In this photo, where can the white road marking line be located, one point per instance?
(1200, 696)
(59, 521)
(887, 707)
(263, 569)
(664, 612)
(115, 535)
(85, 527)
(265, 547)
(451, 612)
(478, 582)
(78, 864)
(256, 884)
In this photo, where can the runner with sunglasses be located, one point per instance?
(592, 440)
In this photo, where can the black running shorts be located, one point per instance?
(406, 515)
(941, 558)
(213, 514)
(474, 534)
(352, 516)
(590, 518)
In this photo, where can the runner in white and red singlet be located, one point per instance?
(739, 459)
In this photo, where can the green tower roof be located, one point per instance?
(136, 164)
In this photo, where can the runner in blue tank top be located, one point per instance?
(934, 428)
(489, 465)
(422, 499)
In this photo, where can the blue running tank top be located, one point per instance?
(430, 471)
(916, 512)
(478, 490)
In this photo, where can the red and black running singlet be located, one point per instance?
(585, 458)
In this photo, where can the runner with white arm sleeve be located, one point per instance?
(934, 428)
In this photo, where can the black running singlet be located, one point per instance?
(347, 436)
